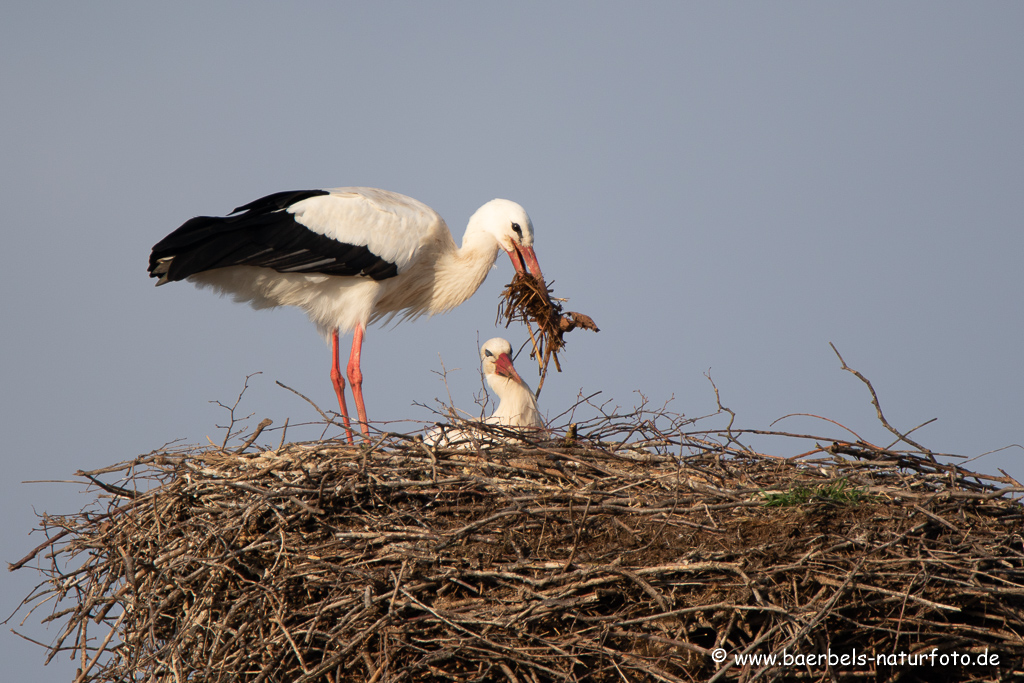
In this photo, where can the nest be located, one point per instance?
(528, 299)
(629, 548)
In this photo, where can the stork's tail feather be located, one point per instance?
(160, 269)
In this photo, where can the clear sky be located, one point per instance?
(724, 187)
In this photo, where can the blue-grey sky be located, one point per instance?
(724, 187)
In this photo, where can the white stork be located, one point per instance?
(517, 406)
(348, 257)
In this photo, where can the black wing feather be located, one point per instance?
(262, 233)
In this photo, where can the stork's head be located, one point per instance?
(496, 355)
(512, 228)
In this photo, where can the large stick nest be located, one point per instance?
(576, 559)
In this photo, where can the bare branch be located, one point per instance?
(878, 408)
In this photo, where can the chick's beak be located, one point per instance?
(503, 368)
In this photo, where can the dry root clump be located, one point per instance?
(575, 559)
(528, 299)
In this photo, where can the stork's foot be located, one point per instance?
(355, 379)
(339, 389)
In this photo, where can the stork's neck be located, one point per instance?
(517, 406)
(460, 272)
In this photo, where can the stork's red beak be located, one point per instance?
(524, 258)
(503, 368)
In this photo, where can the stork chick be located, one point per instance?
(517, 406)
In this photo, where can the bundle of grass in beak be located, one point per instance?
(528, 298)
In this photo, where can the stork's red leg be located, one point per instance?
(339, 383)
(355, 378)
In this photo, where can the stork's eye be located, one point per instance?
(488, 353)
(517, 230)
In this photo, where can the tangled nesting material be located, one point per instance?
(528, 299)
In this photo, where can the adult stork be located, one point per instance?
(348, 257)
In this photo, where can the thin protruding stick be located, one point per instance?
(878, 408)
